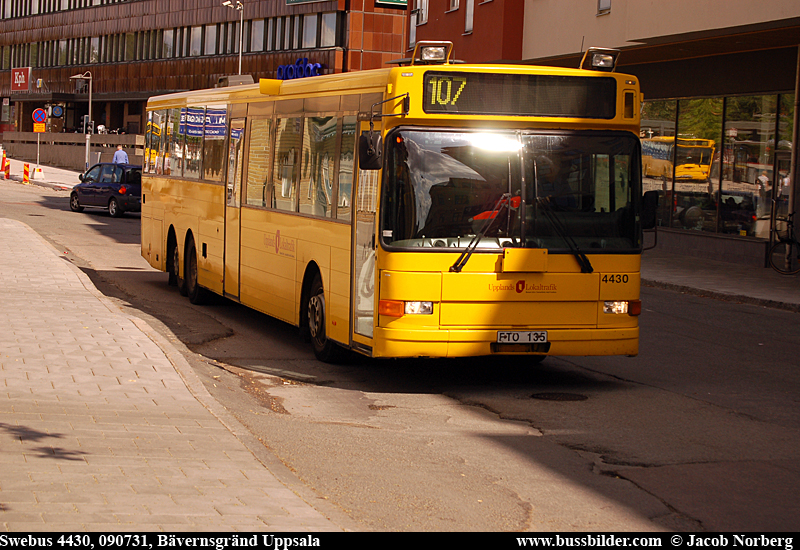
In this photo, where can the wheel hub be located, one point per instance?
(316, 315)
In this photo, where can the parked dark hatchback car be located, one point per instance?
(117, 187)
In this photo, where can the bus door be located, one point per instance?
(365, 200)
(232, 208)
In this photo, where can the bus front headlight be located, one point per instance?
(419, 308)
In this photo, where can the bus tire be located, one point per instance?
(325, 350)
(175, 271)
(197, 294)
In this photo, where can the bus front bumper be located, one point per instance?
(456, 343)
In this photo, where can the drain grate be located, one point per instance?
(558, 396)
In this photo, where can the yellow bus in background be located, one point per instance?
(693, 158)
(153, 145)
(426, 210)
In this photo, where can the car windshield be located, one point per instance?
(562, 192)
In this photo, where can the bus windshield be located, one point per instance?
(693, 155)
(564, 192)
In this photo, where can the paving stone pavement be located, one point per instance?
(99, 430)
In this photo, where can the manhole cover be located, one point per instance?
(557, 396)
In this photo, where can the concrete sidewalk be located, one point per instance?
(55, 178)
(721, 280)
(102, 428)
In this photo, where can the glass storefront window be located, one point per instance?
(783, 153)
(747, 175)
(696, 189)
(726, 175)
(658, 133)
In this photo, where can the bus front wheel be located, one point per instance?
(325, 350)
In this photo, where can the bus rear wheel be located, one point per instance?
(197, 294)
(175, 271)
(325, 350)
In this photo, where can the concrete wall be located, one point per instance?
(69, 150)
(559, 27)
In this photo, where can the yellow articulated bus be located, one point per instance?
(427, 210)
(693, 159)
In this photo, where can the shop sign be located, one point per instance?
(20, 79)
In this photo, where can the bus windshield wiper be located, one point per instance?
(505, 200)
(558, 227)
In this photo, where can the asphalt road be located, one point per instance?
(699, 432)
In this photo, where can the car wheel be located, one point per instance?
(325, 350)
(197, 294)
(74, 203)
(114, 209)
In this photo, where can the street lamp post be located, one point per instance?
(240, 8)
(86, 76)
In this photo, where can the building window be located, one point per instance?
(296, 38)
(269, 25)
(168, 43)
(328, 30)
(257, 35)
(422, 12)
(279, 29)
(210, 40)
(470, 16)
(195, 41)
(603, 7)
(309, 31)
(453, 5)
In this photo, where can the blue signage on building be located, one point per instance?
(301, 69)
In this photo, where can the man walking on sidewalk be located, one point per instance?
(120, 156)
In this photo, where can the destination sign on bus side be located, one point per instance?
(519, 94)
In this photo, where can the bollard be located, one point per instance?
(26, 174)
(3, 167)
(8, 170)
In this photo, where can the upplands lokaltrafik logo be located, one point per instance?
(522, 287)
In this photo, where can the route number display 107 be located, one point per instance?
(446, 90)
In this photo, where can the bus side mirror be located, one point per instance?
(370, 146)
(649, 209)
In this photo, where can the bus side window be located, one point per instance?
(346, 158)
(281, 191)
(259, 158)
